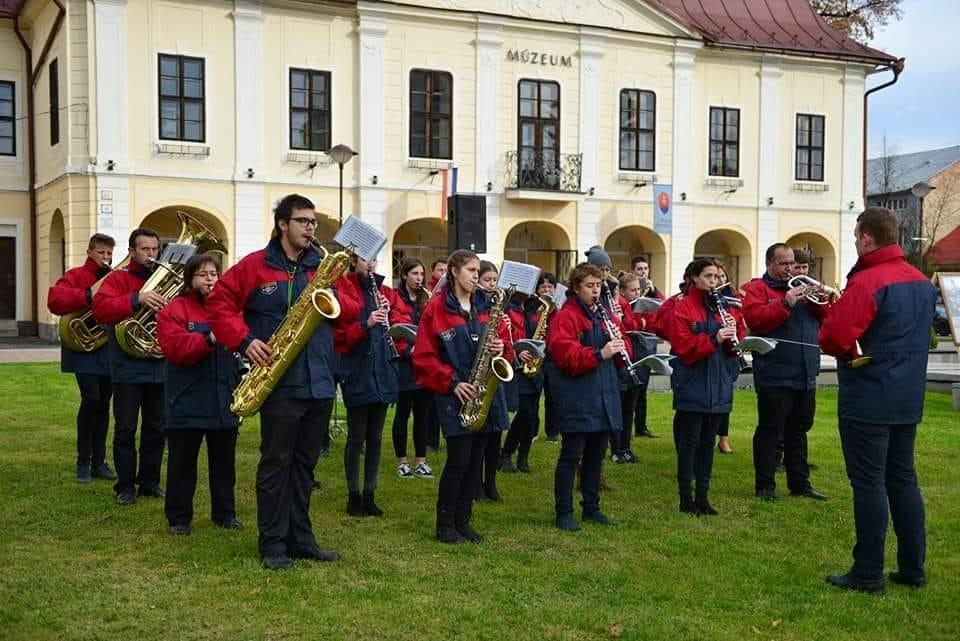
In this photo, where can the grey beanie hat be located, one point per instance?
(596, 256)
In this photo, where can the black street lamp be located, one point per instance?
(920, 191)
(341, 154)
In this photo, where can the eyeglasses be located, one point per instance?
(306, 222)
(786, 264)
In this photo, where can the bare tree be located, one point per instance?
(941, 211)
(885, 171)
(859, 19)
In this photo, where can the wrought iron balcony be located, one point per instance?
(545, 171)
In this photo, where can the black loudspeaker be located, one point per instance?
(467, 222)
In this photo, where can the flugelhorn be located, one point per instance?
(813, 290)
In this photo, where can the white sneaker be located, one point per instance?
(403, 471)
(423, 470)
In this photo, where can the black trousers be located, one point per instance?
(724, 429)
(418, 402)
(790, 412)
(694, 434)
(880, 467)
(491, 459)
(183, 450)
(525, 425)
(433, 423)
(590, 448)
(132, 401)
(290, 441)
(93, 418)
(640, 410)
(364, 432)
(628, 401)
(551, 422)
(461, 472)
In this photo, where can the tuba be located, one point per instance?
(79, 330)
(546, 308)
(137, 335)
(487, 370)
(316, 301)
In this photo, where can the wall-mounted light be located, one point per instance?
(638, 185)
(250, 172)
(489, 186)
(312, 165)
(110, 165)
(592, 191)
(851, 205)
(374, 180)
(769, 201)
(683, 195)
(730, 191)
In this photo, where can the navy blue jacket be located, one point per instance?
(201, 376)
(527, 319)
(71, 293)
(888, 307)
(583, 386)
(443, 356)
(767, 313)
(117, 299)
(250, 301)
(408, 381)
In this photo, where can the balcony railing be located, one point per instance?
(546, 171)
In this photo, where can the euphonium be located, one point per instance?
(315, 302)
(137, 335)
(487, 370)
(546, 308)
(79, 330)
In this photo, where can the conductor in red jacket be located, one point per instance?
(74, 292)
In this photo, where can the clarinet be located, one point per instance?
(614, 333)
(375, 292)
(729, 321)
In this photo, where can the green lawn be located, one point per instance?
(74, 566)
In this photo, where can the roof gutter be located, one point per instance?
(33, 73)
(897, 68)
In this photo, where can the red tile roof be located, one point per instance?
(788, 26)
(946, 251)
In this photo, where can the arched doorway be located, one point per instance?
(729, 247)
(57, 247)
(543, 244)
(824, 264)
(165, 222)
(626, 243)
(423, 238)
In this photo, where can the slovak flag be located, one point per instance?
(449, 183)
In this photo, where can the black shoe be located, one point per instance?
(491, 493)
(153, 491)
(179, 530)
(83, 472)
(910, 582)
(768, 494)
(687, 506)
(370, 505)
(523, 465)
(507, 466)
(316, 484)
(324, 452)
(567, 523)
(646, 434)
(810, 493)
(315, 554)
(468, 533)
(104, 472)
(704, 508)
(277, 562)
(448, 534)
(126, 497)
(629, 456)
(847, 582)
(599, 518)
(355, 505)
(232, 523)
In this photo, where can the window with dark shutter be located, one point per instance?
(637, 129)
(809, 147)
(54, 76)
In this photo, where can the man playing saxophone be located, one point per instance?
(74, 292)
(137, 382)
(246, 308)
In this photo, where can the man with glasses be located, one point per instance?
(785, 378)
(249, 303)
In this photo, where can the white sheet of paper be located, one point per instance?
(363, 239)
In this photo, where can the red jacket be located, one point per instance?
(347, 336)
(691, 328)
(662, 318)
(71, 292)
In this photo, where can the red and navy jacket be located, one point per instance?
(663, 317)
(640, 346)
(407, 380)
(767, 313)
(583, 386)
(446, 346)
(201, 375)
(888, 306)
(118, 298)
(703, 372)
(71, 293)
(368, 372)
(524, 322)
(252, 298)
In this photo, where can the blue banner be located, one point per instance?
(663, 209)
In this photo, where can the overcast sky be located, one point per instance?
(921, 111)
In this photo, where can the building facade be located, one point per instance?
(562, 114)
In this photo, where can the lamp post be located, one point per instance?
(920, 191)
(341, 154)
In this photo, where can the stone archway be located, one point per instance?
(166, 223)
(824, 265)
(729, 247)
(543, 244)
(625, 243)
(56, 248)
(423, 238)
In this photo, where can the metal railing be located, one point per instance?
(548, 171)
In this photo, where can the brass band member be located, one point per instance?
(137, 382)
(641, 267)
(249, 303)
(727, 291)
(490, 462)
(71, 293)
(201, 376)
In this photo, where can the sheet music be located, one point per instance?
(363, 239)
(520, 276)
(560, 295)
(177, 254)
(646, 305)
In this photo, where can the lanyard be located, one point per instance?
(291, 277)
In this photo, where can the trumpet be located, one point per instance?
(813, 290)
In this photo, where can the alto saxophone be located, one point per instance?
(487, 370)
(546, 308)
(315, 302)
